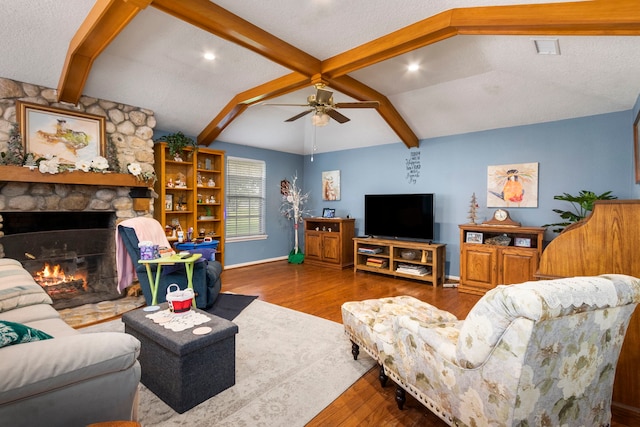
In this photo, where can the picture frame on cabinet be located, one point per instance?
(328, 213)
(473, 237)
(522, 242)
(168, 202)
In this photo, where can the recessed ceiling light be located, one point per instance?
(413, 67)
(209, 56)
(547, 46)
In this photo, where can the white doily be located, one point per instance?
(178, 322)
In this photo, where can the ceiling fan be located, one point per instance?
(323, 107)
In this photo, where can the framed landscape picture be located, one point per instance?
(71, 136)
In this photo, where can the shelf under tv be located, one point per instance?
(426, 258)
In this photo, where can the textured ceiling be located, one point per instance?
(464, 84)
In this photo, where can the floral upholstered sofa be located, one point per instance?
(536, 353)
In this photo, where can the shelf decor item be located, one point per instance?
(522, 242)
(177, 142)
(474, 237)
(502, 240)
(409, 254)
(473, 209)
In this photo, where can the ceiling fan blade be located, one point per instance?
(297, 116)
(337, 116)
(361, 104)
(289, 105)
(323, 96)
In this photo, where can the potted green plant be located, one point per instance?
(582, 205)
(177, 142)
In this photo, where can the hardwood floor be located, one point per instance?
(321, 292)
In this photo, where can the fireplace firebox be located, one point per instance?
(70, 254)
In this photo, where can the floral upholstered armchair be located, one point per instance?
(536, 353)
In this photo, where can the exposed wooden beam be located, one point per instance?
(240, 102)
(355, 89)
(103, 23)
(224, 24)
(216, 20)
(600, 17)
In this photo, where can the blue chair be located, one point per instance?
(206, 274)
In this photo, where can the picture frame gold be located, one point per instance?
(71, 136)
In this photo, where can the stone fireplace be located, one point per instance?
(83, 248)
(69, 248)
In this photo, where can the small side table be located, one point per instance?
(173, 259)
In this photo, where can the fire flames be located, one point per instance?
(55, 275)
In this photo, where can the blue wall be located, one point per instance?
(280, 231)
(593, 153)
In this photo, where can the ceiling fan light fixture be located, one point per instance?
(320, 119)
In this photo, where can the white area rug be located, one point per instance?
(289, 367)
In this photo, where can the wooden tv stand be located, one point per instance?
(385, 256)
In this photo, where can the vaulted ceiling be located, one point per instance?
(478, 66)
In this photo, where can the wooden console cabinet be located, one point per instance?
(412, 260)
(484, 266)
(327, 241)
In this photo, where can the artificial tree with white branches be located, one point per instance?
(292, 208)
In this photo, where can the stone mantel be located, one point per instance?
(25, 174)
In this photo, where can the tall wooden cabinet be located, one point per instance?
(191, 193)
(484, 263)
(329, 241)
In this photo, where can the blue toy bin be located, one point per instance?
(207, 249)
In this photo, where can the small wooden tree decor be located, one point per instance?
(473, 209)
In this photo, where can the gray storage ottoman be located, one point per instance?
(181, 368)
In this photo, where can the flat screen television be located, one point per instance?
(399, 216)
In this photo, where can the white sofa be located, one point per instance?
(73, 379)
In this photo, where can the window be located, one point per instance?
(245, 199)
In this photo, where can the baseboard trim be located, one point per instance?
(261, 261)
